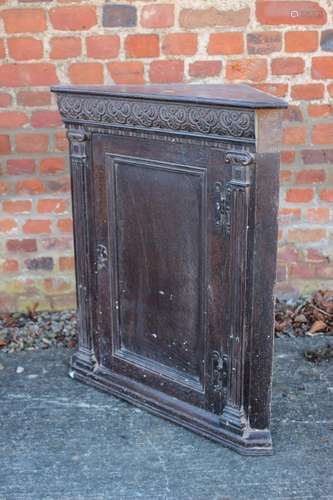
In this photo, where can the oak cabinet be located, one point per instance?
(175, 197)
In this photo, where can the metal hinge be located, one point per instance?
(219, 372)
(222, 206)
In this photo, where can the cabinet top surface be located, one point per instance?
(237, 95)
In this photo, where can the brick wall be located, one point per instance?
(282, 47)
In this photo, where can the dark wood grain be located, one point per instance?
(175, 202)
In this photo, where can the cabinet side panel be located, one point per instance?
(264, 265)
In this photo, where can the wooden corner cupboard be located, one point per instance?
(175, 198)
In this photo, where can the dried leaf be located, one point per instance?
(317, 326)
(300, 318)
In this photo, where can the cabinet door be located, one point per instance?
(159, 248)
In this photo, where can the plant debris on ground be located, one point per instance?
(318, 355)
(37, 330)
(308, 316)
(40, 330)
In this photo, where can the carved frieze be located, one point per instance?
(196, 119)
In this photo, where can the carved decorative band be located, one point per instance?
(196, 119)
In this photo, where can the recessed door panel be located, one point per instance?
(160, 263)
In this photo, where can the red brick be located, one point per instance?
(320, 110)
(103, 46)
(288, 66)
(17, 206)
(310, 176)
(39, 264)
(166, 71)
(27, 75)
(61, 141)
(180, 44)
(157, 16)
(287, 157)
(2, 50)
(37, 226)
(34, 98)
(142, 46)
(280, 236)
(65, 225)
(52, 205)
(10, 266)
(24, 20)
(322, 133)
(126, 72)
(59, 185)
(306, 235)
(52, 165)
(7, 225)
(20, 167)
(65, 47)
(119, 15)
(322, 67)
(8, 302)
(247, 69)
(325, 271)
(75, 18)
(66, 263)
(292, 13)
(293, 113)
(44, 119)
(30, 186)
(285, 176)
(226, 43)
(56, 285)
(13, 119)
(326, 195)
(289, 215)
(212, 18)
(86, 73)
(318, 215)
(57, 243)
(299, 195)
(5, 147)
(301, 271)
(326, 40)
(314, 156)
(315, 255)
(4, 187)
(288, 253)
(307, 91)
(301, 41)
(27, 245)
(203, 69)
(25, 48)
(5, 100)
(277, 89)
(31, 143)
(264, 42)
(294, 135)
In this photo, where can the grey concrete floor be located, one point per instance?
(63, 440)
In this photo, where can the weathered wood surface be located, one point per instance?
(175, 197)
